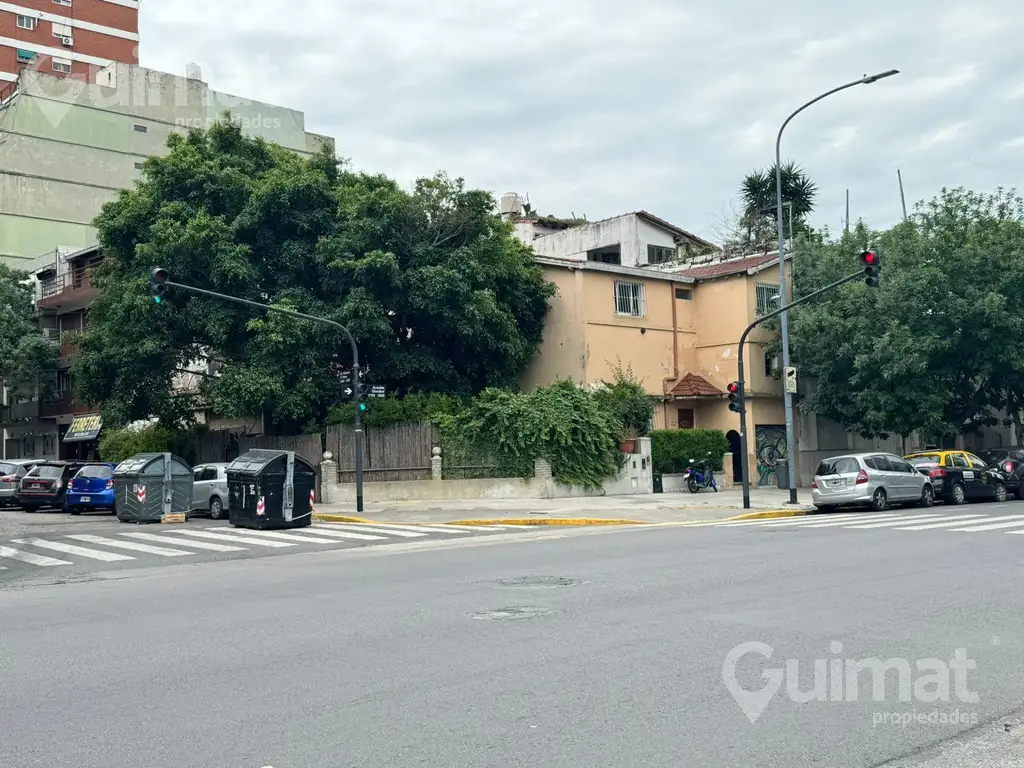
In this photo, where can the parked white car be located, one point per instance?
(875, 480)
(210, 490)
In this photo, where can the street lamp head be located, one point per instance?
(868, 79)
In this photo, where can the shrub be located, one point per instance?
(116, 445)
(385, 411)
(626, 398)
(561, 423)
(672, 449)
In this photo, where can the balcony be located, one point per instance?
(70, 291)
(62, 404)
(17, 413)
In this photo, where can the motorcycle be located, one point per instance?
(699, 476)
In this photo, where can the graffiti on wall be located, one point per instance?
(770, 442)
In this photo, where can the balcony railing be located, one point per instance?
(77, 281)
(16, 412)
(61, 404)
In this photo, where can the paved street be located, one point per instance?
(592, 647)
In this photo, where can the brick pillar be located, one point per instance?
(730, 481)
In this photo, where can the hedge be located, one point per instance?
(672, 449)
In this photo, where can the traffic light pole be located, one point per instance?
(355, 366)
(745, 459)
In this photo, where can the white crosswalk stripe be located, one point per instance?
(935, 520)
(348, 535)
(238, 538)
(804, 519)
(417, 528)
(1007, 521)
(206, 545)
(899, 521)
(130, 546)
(31, 558)
(381, 529)
(72, 549)
(280, 535)
(946, 523)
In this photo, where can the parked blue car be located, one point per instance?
(91, 488)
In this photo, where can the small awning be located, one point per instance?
(84, 428)
(693, 386)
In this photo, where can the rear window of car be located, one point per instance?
(925, 458)
(994, 457)
(96, 471)
(8, 469)
(47, 470)
(837, 466)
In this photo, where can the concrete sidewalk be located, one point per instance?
(645, 508)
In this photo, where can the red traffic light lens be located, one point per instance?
(733, 388)
(870, 258)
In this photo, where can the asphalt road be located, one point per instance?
(422, 656)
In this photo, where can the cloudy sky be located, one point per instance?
(606, 106)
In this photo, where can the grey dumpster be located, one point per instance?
(782, 475)
(270, 489)
(148, 486)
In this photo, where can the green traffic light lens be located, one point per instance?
(156, 299)
(362, 406)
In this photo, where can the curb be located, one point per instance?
(326, 517)
(543, 521)
(768, 514)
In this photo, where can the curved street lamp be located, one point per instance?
(790, 437)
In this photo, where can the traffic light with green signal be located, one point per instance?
(158, 283)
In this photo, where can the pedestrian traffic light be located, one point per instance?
(872, 268)
(362, 390)
(735, 397)
(158, 283)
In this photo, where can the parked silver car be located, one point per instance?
(210, 490)
(869, 479)
(11, 472)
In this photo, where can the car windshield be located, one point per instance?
(47, 470)
(96, 470)
(840, 466)
(925, 458)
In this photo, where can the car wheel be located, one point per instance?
(879, 501)
(216, 509)
(1020, 491)
(958, 495)
(73, 511)
(927, 496)
(1001, 494)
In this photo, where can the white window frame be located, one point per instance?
(62, 30)
(630, 299)
(62, 2)
(61, 65)
(26, 22)
(766, 296)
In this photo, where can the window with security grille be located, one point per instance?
(767, 297)
(629, 299)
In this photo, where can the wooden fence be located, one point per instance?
(396, 452)
(225, 446)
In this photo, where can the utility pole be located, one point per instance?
(159, 282)
(790, 432)
(846, 227)
(903, 200)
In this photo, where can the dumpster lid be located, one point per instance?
(140, 462)
(256, 459)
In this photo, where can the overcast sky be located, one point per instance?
(607, 106)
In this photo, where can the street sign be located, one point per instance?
(791, 380)
(377, 390)
(348, 391)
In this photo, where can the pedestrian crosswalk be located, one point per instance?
(160, 543)
(939, 522)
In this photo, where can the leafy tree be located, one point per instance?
(24, 353)
(758, 215)
(933, 348)
(436, 290)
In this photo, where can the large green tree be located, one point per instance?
(934, 347)
(438, 293)
(25, 354)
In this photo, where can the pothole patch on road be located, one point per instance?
(510, 613)
(537, 582)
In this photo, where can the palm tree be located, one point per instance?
(758, 194)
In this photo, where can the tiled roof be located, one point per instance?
(731, 267)
(692, 385)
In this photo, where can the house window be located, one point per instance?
(61, 30)
(684, 294)
(610, 256)
(64, 381)
(771, 364)
(656, 254)
(686, 420)
(26, 22)
(24, 57)
(61, 65)
(629, 299)
(138, 166)
(141, 128)
(767, 297)
(62, 2)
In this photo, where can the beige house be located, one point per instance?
(678, 331)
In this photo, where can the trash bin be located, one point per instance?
(658, 484)
(782, 475)
(148, 486)
(270, 489)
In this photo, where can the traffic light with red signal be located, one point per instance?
(735, 390)
(158, 283)
(872, 268)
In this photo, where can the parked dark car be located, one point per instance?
(1011, 462)
(91, 488)
(46, 485)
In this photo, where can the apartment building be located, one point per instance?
(67, 147)
(67, 37)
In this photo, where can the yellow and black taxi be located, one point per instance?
(959, 476)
